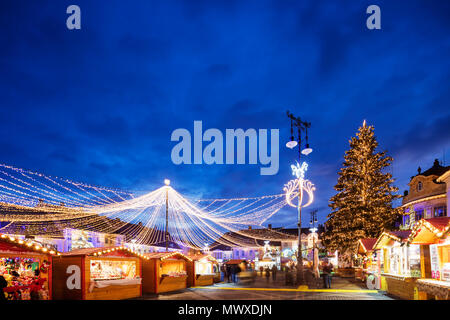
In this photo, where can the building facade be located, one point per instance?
(427, 196)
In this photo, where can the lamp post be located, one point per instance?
(301, 126)
(166, 233)
(313, 222)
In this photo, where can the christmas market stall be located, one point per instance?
(399, 263)
(98, 274)
(433, 237)
(202, 271)
(165, 272)
(26, 267)
(366, 262)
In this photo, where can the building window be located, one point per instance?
(406, 220)
(419, 214)
(419, 186)
(440, 211)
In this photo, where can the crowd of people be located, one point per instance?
(231, 273)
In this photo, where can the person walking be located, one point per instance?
(3, 284)
(327, 270)
(223, 272)
(261, 269)
(274, 273)
(236, 277)
(267, 274)
(233, 273)
(228, 273)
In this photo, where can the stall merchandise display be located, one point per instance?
(112, 269)
(164, 272)
(22, 278)
(173, 268)
(26, 267)
(204, 267)
(111, 273)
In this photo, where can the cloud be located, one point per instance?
(99, 105)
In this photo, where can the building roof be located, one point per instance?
(367, 244)
(401, 234)
(197, 257)
(443, 176)
(235, 261)
(267, 234)
(429, 230)
(166, 255)
(251, 238)
(435, 170)
(387, 236)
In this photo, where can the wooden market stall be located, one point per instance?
(366, 259)
(399, 263)
(433, 237)
(202, 271)
(98, 274)
(27, 269)
(164, 272)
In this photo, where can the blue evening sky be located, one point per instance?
(98, 105)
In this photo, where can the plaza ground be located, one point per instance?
(261, 289)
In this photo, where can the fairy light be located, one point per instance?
(20, 242)
(424, 223)
(111, 211)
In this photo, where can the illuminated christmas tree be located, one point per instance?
(362, 208)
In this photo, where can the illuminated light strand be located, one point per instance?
(142, 218)
(29, 244)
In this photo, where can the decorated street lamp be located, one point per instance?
(296, 188)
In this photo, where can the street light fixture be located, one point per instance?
(307, 150)
(291, 144)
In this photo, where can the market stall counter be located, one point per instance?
(26, 267)
(399, 263)
(164, 272)
(202, 271)
(98, 274)
(433, 237)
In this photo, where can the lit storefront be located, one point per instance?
(165, 272)
(98, 274)
(433, 237)
(399, 264)
(27, 269)
(203, 270)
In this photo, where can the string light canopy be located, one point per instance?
(37, 204)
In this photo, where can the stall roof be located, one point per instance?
(165, 255)
(101, 251)
(366, 244)
(12, 243)
(386, 236)
(202, 256)
(429, 230)
(235, 261)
